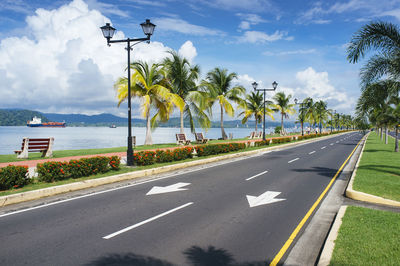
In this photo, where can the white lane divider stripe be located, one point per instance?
(311, 152)
(293, 160)
(323, 147)
(331, 144)
(146, 221)
(254, 176)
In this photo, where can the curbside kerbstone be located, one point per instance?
(329, 245)
(362, 196)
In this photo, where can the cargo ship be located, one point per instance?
(37, 122)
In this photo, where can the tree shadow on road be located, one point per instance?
(322, 171)
(195, 256)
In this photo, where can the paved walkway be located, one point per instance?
(33, 163)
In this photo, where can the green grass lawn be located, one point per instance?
(379, 169)
(368, 237)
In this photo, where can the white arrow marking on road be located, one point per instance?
(265, 198)
(167, 189)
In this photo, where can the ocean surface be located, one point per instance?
(71, 138)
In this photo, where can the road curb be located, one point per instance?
(361, 196)
(329, 245)
(51, 191)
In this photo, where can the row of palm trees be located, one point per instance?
(171, 85)
(174, 84)
(379, 103)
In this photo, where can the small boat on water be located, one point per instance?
(37, 122)
(113, 126)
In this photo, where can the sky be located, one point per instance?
(54, 58)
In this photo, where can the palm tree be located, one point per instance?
(310, 112)
(182, 78)
(148, 82)
(283, 106)
(218, 84)
(253, 106)
(321, 112)
(383, 37)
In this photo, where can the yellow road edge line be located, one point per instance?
(288, 242)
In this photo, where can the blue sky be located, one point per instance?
(54, 58)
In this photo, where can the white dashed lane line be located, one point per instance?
(293, 160)
(323, 147)
(311, 152)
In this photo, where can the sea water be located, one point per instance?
(71, 138)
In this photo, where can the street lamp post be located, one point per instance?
(302, 115)
(274, 85)
(108, 32)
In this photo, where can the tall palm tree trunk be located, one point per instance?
(148, 140)
(381, 133)
(396, 141)
(182, 123)
(256, 121)
(386, 134)
(224, 136)
(282, 129)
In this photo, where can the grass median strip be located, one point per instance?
(368, 237)
(379, 170)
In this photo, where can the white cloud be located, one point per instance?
(317, 86)
(188, 51)
(244, 25)
(249, 19)
(262, 37)
(294, 52)
(392, 13)
(182, 26)
(239, 5)
(67, 65)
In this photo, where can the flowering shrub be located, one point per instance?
(262, 143)
(163, 156)
(13, 177)
(144, 157)
(54, 171)
(212, 149)
(115, 162)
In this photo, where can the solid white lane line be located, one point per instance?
(323, 147)
(254, 176)
(293, 160)
(147, 221)
(311, 152)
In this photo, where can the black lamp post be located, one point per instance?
(108, 32)
(274, 85)
(301, 116)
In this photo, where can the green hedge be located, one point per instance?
(162, 156)
(55, 171)
(213, 149)
(13, 177)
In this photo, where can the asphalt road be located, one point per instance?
(207, 221)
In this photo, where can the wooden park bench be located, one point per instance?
(43, 145)
(181, 139)
(200, 138)
(252, 135)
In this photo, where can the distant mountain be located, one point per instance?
(19, 117)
